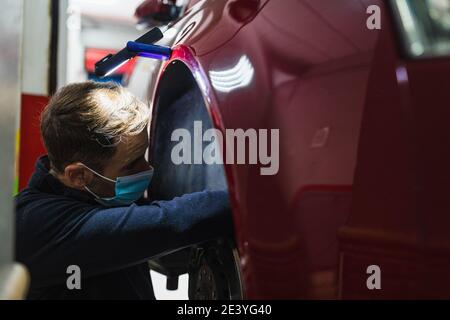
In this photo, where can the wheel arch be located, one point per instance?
(182, 96)
(179, 75)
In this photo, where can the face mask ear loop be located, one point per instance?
(91, 192)
(98, 174)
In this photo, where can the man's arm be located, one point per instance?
(105, 240)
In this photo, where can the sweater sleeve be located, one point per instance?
(104, 240)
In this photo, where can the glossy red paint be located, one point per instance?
(363, 146)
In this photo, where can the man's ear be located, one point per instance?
(77, 176)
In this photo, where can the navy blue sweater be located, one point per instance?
(57, 226)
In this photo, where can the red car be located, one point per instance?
(360, 93)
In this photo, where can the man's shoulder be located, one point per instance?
(34, 197)
(33, 205)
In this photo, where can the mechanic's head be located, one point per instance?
(90, 128)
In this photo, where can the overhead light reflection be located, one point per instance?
(239, 76)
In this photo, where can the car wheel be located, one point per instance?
(214, 272)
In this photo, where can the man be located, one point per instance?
(83, 206)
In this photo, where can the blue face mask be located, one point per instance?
(128, 189)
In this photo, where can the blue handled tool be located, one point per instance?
(149, 50)
(143, 46)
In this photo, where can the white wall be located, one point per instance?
(36, 46)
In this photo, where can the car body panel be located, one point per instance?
(352, 182)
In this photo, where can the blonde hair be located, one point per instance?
(84, 122)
